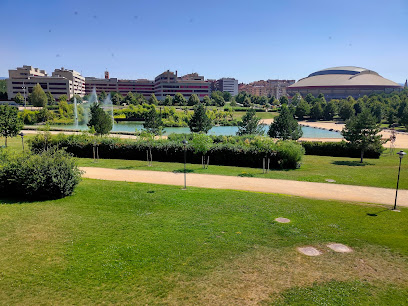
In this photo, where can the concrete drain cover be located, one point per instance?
(330, 181)
(282, 220)
(309, 251)
(340, 248)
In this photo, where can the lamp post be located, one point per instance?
(24, 88)
(185, 142)
(22, 139)
(401, 155)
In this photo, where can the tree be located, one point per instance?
(168, 101)
(283, 100)
(296, 99)
(316, 112)
(227, 96)
(19, 99)
(362, 132)
(200, 122)
(102, 96)
(153, 100)
(63, 98)
(38, 97)
(116, 98)
(207, 100)
(130, 98)
(330, 111)
(250, 124)
(346, 110)
(302, 109)
(193, 100)
(179, 99)
(285, 126)
(201, 143)
(153, 122)
(218, 98)
(100, 120)
(10, 123)
(309, 98)
(50, 98)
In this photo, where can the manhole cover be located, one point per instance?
(309, 251)
(340, 248)
(282, 220)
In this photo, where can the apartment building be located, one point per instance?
(276, 88)
(62, 82)
(227, 84)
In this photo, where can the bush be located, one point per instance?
(51, 174)
(339, 149)
(241, 152)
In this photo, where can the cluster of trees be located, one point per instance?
(391, 108)
(3, 90)
(10, 123)
(248, 100)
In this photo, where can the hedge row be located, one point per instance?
(288, 153)
(339, 149)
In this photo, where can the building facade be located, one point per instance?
(227, 84)
(62, 82)
(269, 88)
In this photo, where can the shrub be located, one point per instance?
(339, 149)
(52, 174)
(238, 151)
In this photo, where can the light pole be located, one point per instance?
(22, 139)
(401, 155)
(24, 88)
(185, 142)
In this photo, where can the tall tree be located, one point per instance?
(10, 123)
(179, 99)
(346, 110)
(285, 126)
(116, 98)
(316, 112)
(168, 101)
(200, 122)
(102, 96)
(302, 109)
(207, 100)
(250, 124)
(100, 120)
(129, 99)
(330, 110)
(227, 96)
(283, 100)
(19, 99)
(38, 97)
(153, 122)
(153, 100)
(362, 132)
(50, 98)
(193, 100)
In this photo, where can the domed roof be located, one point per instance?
(344, 76)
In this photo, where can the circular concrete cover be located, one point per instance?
(309, 251)
(282, 220)
(330, 181)
(338, 247)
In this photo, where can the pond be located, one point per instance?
(131, 126)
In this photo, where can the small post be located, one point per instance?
(401, 155)
(22, 139)
(185, 142)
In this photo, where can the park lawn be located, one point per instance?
(262, 115)
(380, 172)
(373, 172)
(130, 243)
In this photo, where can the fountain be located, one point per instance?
(109, 106)
(75, 113)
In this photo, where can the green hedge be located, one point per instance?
(245, 154)
(52, 174)
(339, 149)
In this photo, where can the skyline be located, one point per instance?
(135, 40)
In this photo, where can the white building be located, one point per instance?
(228, 84)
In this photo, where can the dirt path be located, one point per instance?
(303, 189)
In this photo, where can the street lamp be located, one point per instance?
(185, 142)
(22, 139)
(401, 155)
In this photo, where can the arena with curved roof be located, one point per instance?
(341, 82)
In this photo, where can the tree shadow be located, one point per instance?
(353, 163)
(182, 171)
(375, 214)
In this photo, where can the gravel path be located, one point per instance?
(303, 189)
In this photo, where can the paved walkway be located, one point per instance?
(324, 191)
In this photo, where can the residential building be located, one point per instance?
(227, 84)
(276, 88)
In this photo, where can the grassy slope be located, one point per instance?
(118, 242)
(374, 172)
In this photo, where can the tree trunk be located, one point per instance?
(362, 155)
(208, 161)
(5, 142)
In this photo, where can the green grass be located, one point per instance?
(262, 115)
(373, 172)
(128, 243)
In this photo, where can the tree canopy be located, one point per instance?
(200, 122)
(285, 126)
(38, 97)
(100, 120)
(10, 123)
(250, 124)
(153, 122)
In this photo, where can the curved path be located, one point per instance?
(303, 189)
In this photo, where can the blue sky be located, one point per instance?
(248, 40)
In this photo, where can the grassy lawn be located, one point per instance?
(128, 243)
(262, 115)
(374, 172)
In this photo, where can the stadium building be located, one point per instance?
(341, 82)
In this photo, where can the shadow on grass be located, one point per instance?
(375, 214)
(353, 163)
(182, 171)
